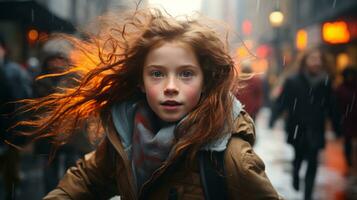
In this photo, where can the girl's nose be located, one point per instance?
(171, 87)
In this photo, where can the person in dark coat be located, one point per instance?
(346, 98)
(66, 156)
(307, 98)
(15, 85)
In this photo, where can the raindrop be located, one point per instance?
(258, 6)
(32, 15)
(326, 80)
(284, 61)
(353, 101)
(295, 101)
(334, 4)
(13, 191)
(347, 108)
(296, 131)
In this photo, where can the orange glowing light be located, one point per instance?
(335, 32)
(301, 39)
(342, 60)
(32, 35)
(260, 66)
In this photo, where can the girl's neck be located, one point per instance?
(155, 121)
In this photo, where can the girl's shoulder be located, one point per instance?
(245, 170)
(244, 128)
(239, 152)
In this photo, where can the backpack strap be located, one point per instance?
(213, 175)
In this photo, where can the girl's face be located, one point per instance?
(172, 80)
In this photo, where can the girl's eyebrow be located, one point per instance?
(162, 66)
(189, 66)
(154, 66)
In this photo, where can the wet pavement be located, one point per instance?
(331, 182)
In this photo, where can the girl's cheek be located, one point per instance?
(193, 94)
(152, 92)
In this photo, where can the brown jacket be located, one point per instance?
(106, 172)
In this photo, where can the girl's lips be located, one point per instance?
(171, 105)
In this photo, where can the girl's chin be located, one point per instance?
(170, 118)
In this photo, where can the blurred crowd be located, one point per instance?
(18, 83)
(309, 100)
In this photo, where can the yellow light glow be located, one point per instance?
(342, 60)
(301, 39)
(276, 18)
(242, 52)
(335, 32)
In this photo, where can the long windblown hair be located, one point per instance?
(302, 60)
(108, 67)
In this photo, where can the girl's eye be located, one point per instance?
(186, 74)
(156, 74)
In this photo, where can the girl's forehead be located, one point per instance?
(171, 53)
(177, 43)
(169, 48)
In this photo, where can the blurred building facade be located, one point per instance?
(331, 24)
(24, 23)
(255, 36)
(306, 23)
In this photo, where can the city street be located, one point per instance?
(77, 71)
(277, 155)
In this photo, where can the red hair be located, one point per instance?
(109, 67)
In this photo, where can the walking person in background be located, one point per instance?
(157, 89)
(15, 85)
(307, 98)
(251, 93)
(66, 156)
(347, 101)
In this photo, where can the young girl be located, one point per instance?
(158, 89)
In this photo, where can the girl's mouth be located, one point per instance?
(171, 105)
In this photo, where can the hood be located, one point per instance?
(221, 143)
(244, 127)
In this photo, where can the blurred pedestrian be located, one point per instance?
(158, 90)
(307, 99)
(66, 156)
(346, 98)
(251, 92)
(15, 85)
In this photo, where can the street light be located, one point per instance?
(276, 19)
